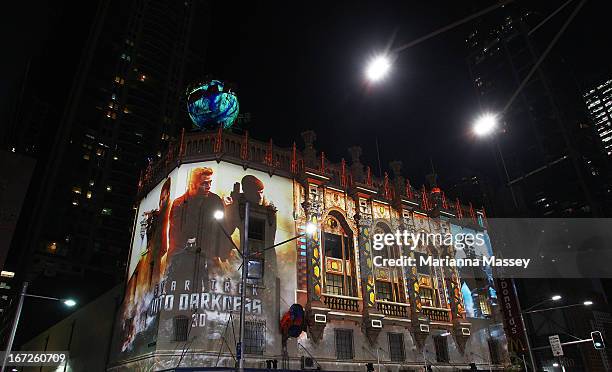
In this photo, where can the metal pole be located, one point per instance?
(503, 161)
(518, 302)
(489, 355)
(552, 308)
(245, 265)
(452, 25)
(9, 346)
(378, 359)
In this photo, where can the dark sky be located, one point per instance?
(299, 66)
(302, 67)
(307, 63)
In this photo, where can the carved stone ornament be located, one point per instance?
(419, 339)
(370, 331)
(315, 328)
(460, 338)
(363, 220)
(313, 208)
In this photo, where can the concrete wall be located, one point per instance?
(85, 334)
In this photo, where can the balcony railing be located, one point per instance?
(393, 308)
(344, 303)
(436, 314)
(240, 148)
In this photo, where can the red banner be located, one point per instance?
(517, 342)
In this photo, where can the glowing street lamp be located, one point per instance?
(378, 68)
(556, 297)
(485, 125)
(218, 215)
(22, 295)
(587, 303)
(311, 228)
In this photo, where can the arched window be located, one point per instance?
(427, 290)
(339, 258)
(389, 280)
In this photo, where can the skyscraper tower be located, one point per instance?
(125, 103)
(599, 101)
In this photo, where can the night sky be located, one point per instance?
(301, 67)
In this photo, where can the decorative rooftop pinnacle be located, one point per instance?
(310, 153)
(356, 166)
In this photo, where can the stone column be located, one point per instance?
(316, 310)
(372, 319)
(455, 300)
(313, 252)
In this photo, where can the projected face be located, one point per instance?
(200, 181)
(205, 183)
(164, 197)
(253, 189)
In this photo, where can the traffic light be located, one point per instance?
(598, 341)
(370, 367)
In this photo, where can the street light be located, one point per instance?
(584, 303)
(22, 296)
(530, 311)
(310, 229)
(218, 215)
(485, 125)
(378, 68)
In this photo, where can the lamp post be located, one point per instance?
(22, 295)
(531, 310)
(380, 65)
(219, 215)
(522, 313)
(245, 269)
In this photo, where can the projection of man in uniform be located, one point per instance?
(253, 191)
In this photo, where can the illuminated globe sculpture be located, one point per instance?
(210, 106)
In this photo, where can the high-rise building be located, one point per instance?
(125, 103)
(550, 163)
(599, 103)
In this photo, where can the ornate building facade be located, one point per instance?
(182, 299)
